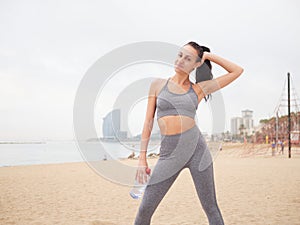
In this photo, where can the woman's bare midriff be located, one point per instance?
(175, 124)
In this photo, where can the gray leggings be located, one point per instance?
(179, 151)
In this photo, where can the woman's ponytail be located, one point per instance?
(203, 72)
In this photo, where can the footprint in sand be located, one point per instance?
(98, 222)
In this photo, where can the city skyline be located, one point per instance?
(243, 124)
(111, 126)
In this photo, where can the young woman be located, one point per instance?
(182, 146)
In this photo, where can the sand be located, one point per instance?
(252, 188)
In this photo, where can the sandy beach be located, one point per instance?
(252, 188)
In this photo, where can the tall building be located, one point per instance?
(111, 124)
(236, 123)
(245, 122)
(247, 116)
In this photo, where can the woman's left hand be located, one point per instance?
(204, 57)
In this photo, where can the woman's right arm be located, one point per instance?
(147, 129)
(233, 72)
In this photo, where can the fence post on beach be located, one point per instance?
(289, 115)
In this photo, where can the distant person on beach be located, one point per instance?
(273, 145)
(282, 147)
(131, 156)
(278, 144)
(182, 146)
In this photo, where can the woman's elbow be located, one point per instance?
(237, 71)
(240, 70)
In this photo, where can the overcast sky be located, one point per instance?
(46, 47)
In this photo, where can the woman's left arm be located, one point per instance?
(234, 71)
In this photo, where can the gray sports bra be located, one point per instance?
(169, 103)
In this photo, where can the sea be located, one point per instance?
(16, 154)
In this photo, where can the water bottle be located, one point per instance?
(138, 189)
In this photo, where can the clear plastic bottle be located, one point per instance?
(138, 189)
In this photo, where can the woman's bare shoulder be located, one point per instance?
(157, 84)
(159, 81)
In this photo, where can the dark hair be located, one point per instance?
(203, 72)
